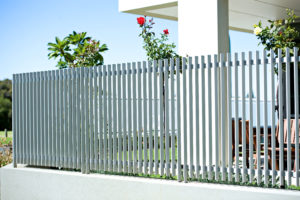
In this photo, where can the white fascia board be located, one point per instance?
(129, 5)
(144, 7)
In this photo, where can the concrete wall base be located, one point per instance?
(43, 184)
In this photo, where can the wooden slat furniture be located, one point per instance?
(285, 138)
(248, 140)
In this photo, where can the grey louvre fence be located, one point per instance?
(212, 118)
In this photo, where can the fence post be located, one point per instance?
(14, 122)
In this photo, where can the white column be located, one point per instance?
(203, 30)
(203, 27)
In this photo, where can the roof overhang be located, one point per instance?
(243, 14)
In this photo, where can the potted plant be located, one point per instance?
(281, 34)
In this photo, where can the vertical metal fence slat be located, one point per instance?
(155, 74)
(16, 113)
(96, 121)
(203, 121)
(16, 121)
(140, 123)
(191, 132)
(28, 120)
(296, 101)
(223, 113)
(161, 117)
(58, 118)
(281, 139)
(14, 129)
(101, 118)
(37, 118)
(54, 117)
(20, 112)
(185, 170)
(81, 152)
(65, 122)
(216, 106)
(288, 114)
(197, 111)
(44, 112)
(87, 119)
(78, 113)
(74, 132)
(24, 118)
(115, 119)
(70, 112)
(209, 103)
(47, 117)
(150, 117)
(83, 101)
(124, 119)
(135, 123)
(49, 128)
(32, 105)
(145, 116)
(23, 125)
(34, 119)
(243, 119)
(129, 120)
(178, 119)
(266, 168)
(25, 137)
(31, 120)
(173, 134)
(61, 120)
(119, 119)
(23, 95)
(250, 116)
(110, 131)
(258, 117)
(105, 121)
(21, 118)
(236, 120)
(273, 137)
(167, 125)
(229, 116)
(91, 116)
(66, 118)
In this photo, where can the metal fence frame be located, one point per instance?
(78, 118)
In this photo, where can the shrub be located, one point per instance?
(77, 50)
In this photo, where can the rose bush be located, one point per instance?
(280, 34)
(156, 48)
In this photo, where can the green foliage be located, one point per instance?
(5, 141)
(5, 158)
(5, 104)
(6, 89)
(280, 34)
(156, 48)
(77, 50)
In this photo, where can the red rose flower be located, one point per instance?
(166, 31)
(141, 21)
